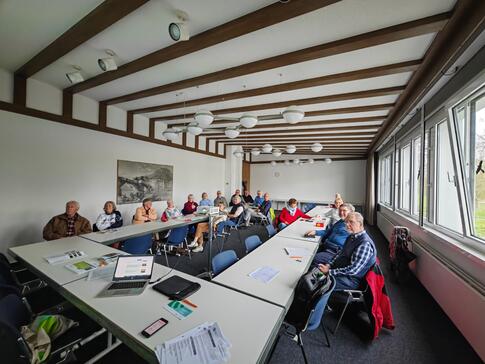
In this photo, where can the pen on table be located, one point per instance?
(186, 301)
(293, 257)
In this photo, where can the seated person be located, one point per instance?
(190, 206)
(67, 224)
(203, 227)
(171, 212)
(236, 193)
(233, 216)
(145, 213)
(247, 198)
(290, 214)
(333, 214)
(205, 200)
(265, 206)
(220, 199)
(258, 200)
(109, 219)
(333, 237)
(355, 259)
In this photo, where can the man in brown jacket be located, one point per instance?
(68, 224)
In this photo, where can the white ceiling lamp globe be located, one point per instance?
(194, 129)
(328, 160)
(255, 152)
(231, 132)
(203, 118)
(273, 163)
(293, 115)
(267, 148)
(296, 161)
(277, 152)
(290, 149)
(316, 147)
(248, 120)
(238, 154)
(311, 161)
(287, 162)
(171, 134)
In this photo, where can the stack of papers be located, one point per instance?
(205, 344)
(264, 274)
(64, 257)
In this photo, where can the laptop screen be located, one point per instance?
(134, 267)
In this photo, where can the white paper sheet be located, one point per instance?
(264, 274)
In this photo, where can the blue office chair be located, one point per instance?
(271, 230)
(223, 261)
(177, 237)
(138, 245)
(252, 242)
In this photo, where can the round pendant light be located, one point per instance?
(290, 149)
(328, 160)
(277, 152)
(273, 163)
(296, 161)
(267, 148)
(248, 120)
(287, 162)
(293, 115)
(316, 147)
(255, 152)
(194, 129)
(203, 118)
(171, 134)
(231, 132)
(238, 154)
(311, 161)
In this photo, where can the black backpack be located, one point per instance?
(400, 255)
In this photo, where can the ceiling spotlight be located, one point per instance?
(296, 161)
(194, 129)
(231, 132)
(311, 161)
(178, 31)
(75, 77)
(108, 63)
(316, 147)
(238, 154)
(248, 120)
(290, 149)
(277, 152)
(292, 115)
(328, 160)
(203, 118)
(171, 133)
(267, 148)
(255, 152)
(287, 162)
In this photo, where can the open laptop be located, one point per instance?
(131, 276)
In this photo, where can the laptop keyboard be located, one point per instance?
(126, 285)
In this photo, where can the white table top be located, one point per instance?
(319, 210)
(33, 256)
(135, 230)
(298, 229)
(271, 253)
(251, 325)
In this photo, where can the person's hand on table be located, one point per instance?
(311, 233)
(324, 268)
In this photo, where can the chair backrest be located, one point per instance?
(271, 230)
(6, 275)
(178, 235)
(252, 242)
(223, 261)
(317, 312)
(139, 245)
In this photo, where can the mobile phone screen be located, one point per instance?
(153, 328)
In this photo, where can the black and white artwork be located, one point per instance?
(138, 180)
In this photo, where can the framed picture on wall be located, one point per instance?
(139, 180)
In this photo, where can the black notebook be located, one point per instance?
(176, 287)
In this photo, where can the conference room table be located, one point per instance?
(134, 230)
(298, 229)
(320, 210)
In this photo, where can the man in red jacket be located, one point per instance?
(290, 214)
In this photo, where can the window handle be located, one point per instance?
(451, 178)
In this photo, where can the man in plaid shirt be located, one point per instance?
(355, 259)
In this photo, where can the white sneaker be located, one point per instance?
(199, 249)
(192, 244)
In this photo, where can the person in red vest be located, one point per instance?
(290, 214)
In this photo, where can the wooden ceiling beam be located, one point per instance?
(381, 36)
(343, 129)
(314, 159)
(361, 74)
(259, 19)
(298, 143)
(322, 136)
(298, 102)
(103, 16)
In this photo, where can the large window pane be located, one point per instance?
(478, 110)
(448, 209)
(405, 181)
(416, 185)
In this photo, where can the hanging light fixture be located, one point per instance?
(293, 115)
(203, 118)
(316, 147)
(255, 152)
(311, 161)
(273, 163)
(277, 152)
(194, 129)
(287, 162)
(267, 148)
(328, 160)
(231, 132)
(248, 120)
(238, 154)
(290, 149)
(171, 133)
(296, 161)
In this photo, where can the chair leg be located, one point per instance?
(166, 257)
(300, 342)
(342, 315)
(325, 332)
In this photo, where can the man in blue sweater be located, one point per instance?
(355, 259)
(333, 237)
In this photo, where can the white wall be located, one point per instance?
(43, 164)
(318, 181)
